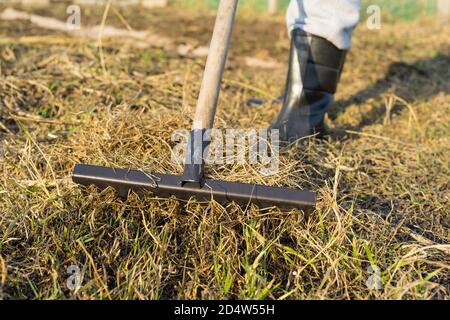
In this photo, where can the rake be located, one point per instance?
(193, 182)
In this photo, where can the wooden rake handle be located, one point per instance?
(215, 63)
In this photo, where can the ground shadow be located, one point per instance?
(420, 80)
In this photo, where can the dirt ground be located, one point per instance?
(382, 175)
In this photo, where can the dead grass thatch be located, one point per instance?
(382, 175)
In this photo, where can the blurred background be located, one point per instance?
(400, 9)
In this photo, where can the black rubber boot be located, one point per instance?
(315, 67)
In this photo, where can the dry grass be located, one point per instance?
(382, 176)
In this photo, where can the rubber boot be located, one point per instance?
(315, 66)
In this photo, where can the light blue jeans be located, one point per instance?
(333, 20)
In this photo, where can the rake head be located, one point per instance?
(167, 185)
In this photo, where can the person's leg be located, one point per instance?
(333, 20)
(320, 36)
